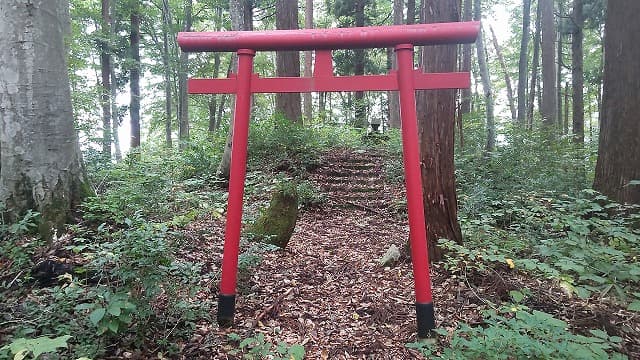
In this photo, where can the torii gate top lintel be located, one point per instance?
(406, 80)
(331, 39)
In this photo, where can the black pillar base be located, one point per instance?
(226, 309)
(426, 319)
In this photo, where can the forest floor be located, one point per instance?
(328, 291)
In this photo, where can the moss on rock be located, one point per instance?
(275, 225)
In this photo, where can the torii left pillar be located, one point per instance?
(227, 297)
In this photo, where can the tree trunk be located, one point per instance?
(394, 99)
(549, 105)
(115, 116)
(115, 111)
(288, 62)
(241, 19)
(507, 78)
(465, 94)
(183, 96)
(577, 74)
(486, 82)
(308, 62)
(618, 166)
(134, 75)
(360, 105)
(436, 121)
(213, 99)
(40, 164)
(559, 64)
(523, 63)
(534, 66)
(168, 101)
(105, 72)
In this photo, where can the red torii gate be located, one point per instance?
(406, 80)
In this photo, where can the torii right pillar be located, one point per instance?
(413, 181)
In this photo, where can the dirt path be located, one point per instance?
(328, 292)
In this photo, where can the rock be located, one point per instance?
(391, 256)
(275, 225)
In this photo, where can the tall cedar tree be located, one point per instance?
(134, 74)
(465, 94)
(486, 82)
(549, 106)
(288, 62)
(105, 74)
(436, 122)
(40, 164)
(577, 74)
(523, 62)
(183, 96)
(618, 166)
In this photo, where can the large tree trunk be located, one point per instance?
(288, 62)
(183, 96)
(534, 67)
(549, 106)
(134, 75)
(308, 62)
(241, 19)
(559, 64)
(619, 148)
(486, 81)
(507, 77)
(359, 59)
(394, 99)
(40, 164)
(168, 101)
(577, 74)
(436, 121)
(105, 72)
(115, 112)
(523, 62)
(465, 94)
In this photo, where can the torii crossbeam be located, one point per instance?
(406, 80)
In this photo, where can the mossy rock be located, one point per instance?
(275, 225)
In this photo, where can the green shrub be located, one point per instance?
(514, 332)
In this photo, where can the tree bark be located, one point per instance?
(359, 60)
(134, 75)
(559, 65)
(115, 111)
(436, 121)
(394, 99)
(465, 94)
(486, 82)
(288, 62)
(308, 62)
(168, 101)
(523, 63)
(105, 72)
(41, 166)
(577, 74)
(183, 96)
(241, 19)
(507, 77)
(534, 66)
(549, 105)
(619, 145)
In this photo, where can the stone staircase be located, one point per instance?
(354, 179)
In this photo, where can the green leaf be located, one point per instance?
(22, 347)
(599, 333)
(517, 296)
(97, 315)
(634, 306)
(114, 309)
(113, 326)
(297, 352)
